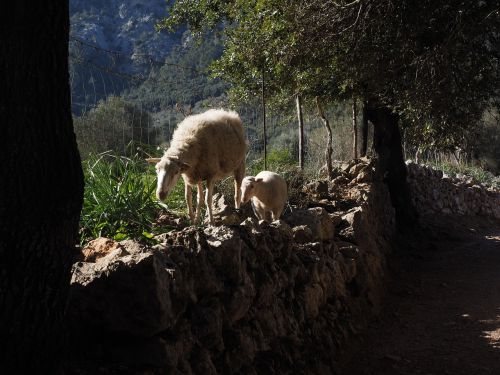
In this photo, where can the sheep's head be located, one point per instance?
(248, 187)
(168, 171)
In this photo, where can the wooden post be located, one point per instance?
(301, 131)
(264, 137)
(329, 148)
(354, 129)
(364, 131)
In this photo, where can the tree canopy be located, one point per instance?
(435, 63)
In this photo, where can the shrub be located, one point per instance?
(119, 200)
(112, 125)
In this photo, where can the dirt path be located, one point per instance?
(442, 314)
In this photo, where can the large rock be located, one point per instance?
(99, 248)
(128, 294)
(321, 224)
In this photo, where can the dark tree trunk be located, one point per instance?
(301, 131)
(387, 145)
(41, 185)
(364, 131)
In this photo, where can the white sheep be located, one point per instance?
(204, 147)
(268, 192)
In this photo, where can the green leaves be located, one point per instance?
(119, 198)
(431, 61)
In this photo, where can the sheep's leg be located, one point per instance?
(255, 211)
(258, 210)
(276, 214)
(210, 190)
(238, 177)
(200, 201)
(189, 200)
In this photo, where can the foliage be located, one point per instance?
(112, 125)
(435, 63)
(476, 172)
(183, 78)
(119, 200)
(486, 144)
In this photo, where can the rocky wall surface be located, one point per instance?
(434, 192)
(246, 298)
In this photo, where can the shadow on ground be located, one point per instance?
(442, 314)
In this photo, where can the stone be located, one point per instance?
(364, 176)
(355, 169)
(318, 188)
(348, 250)
(112, 295)
(99, 248)
(340, 181)
(302, 234)
(283, 227)
(227, 244)
(131, 246)
(225, 214)
(317, 219)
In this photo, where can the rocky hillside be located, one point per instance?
(127, 45)
(245, 297)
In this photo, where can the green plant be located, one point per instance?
(119, 199)
(477, 173)
(114, 124)
(278, 160)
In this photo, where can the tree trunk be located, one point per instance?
(41, 185)
(301, 131)
(387, 145)
(354, 129)
(329, 149)
(364, 131)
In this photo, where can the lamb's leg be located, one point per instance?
(210, 190)
(275, 214)
(189, 200)
(258, 210)
(238, 177)
(200, 202)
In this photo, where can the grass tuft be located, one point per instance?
(119, 198)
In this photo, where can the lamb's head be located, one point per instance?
(249, 185)
(168, 171)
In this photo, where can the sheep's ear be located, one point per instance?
(153, 160)
(259, 179)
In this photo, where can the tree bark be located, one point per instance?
(301, 131)
(329, 149)
(364, 131)
(354, 129)
(41, 185)
(387, 145)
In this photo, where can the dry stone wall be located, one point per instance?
(246, 298)
(434, 192)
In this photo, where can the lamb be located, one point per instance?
(268, 192)
(204, 147)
